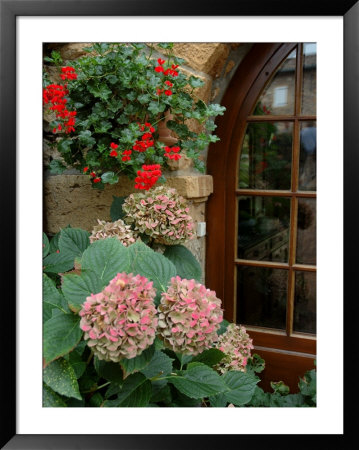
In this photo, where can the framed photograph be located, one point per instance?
(268, 84)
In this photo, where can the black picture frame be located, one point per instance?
(9, 10)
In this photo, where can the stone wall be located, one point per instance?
(70, 199)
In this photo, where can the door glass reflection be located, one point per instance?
(278, 96)
(266, 155)
(309, 88)
(305, 302)
(263, 228)
(308, 157)
(262, 296)
(306, 231)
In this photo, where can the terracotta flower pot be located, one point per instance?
(165, 134)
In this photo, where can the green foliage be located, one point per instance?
(117, 88)
(116, 211)
(186, 264)
(73, 377)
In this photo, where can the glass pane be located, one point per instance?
(305, 302)
(309, 88)
(278, 96)
(262, 296)
(308, 157)
(266, 156)
(263, 228)
(306, 231)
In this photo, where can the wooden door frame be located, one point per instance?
(280, 351)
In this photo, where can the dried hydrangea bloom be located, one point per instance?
(116, 229)
(120, 322)
(237, 345)
(160, 213)
(189, 316)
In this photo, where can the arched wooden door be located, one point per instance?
(261, 241)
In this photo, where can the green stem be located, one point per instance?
(97, 388)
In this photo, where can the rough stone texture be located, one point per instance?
(206, 57)
(70, 199)
(73, 50)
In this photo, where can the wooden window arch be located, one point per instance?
(283, 347)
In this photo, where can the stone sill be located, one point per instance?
(193, 187)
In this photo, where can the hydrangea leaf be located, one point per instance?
(61, 378)
(241, 387)
(218, 401)
(76, 362)
(61, 334)
(223, 327)
(186, 264)
(45, 245)
(137, 363)
(210, 357)
(136, 391)
(52, 298)
(106, 257)
(116, 211)
(199, 381)
(160, 364)
(150, 264)
(58, 263)
(109, 370)
(77, 287)
(73, 242)
(50, 399)
(161, 392)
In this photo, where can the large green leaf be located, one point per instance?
(45, 245)
(136, 391)
(109, 370)
(61, 334)
(186, 264)
(105, 257)
(61, 378)
(210, 357)
(50, 399)
(52, 298)
(137, 363)
(150, 264)
(241, 387)
(160, 364)
(73, 242)
(77, 288)
(199, 381)
(58, 262)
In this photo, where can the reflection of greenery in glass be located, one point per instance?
(265, 161)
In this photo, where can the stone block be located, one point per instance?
(206, 57)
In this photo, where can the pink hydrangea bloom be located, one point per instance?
(189, 316)
(117, 229)
(120, 322)
(160, 213)
(237, 346)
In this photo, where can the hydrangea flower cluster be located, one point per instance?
(120, 322)
(237, 346)
(117, 229)
(189, 316)
(160, 213)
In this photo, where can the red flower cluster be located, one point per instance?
(126, 155)
(95, 179)
(148, 177)
(68, 73)
(141, 145)
(55, 94)
(265, 110)
(114, 147)
(172, 153)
